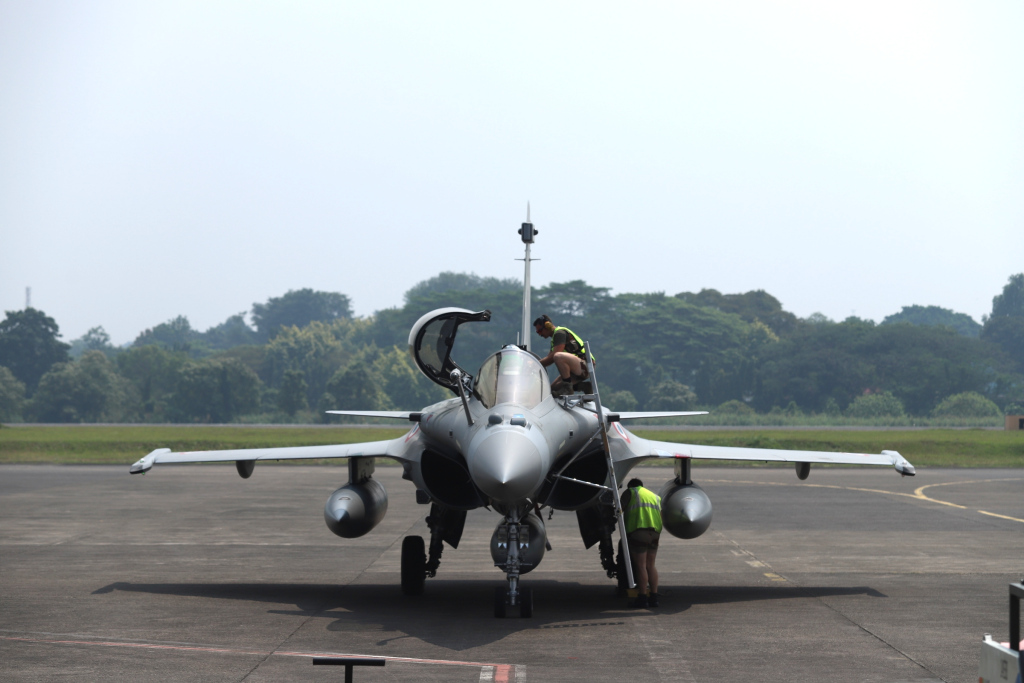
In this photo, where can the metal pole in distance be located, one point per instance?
(627, 560)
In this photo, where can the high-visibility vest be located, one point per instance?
(644, 511)
(581, 352)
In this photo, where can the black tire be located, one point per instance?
(526, 603)
(414, 565)
(499, 603)
(620, 575)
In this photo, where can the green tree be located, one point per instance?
(734, 407)
(406, 387)
(298, 308)
(358, 386)
(291, 397)
(12, 396)
(29, 345)
(818, 318)
(86, 390)
(669, 394)
(96, 339)
(214, 391)
(933, 316)
(870, 406)
(230, 333)
(313, 350)
(752, 306)
(460, 282)
(153, 371)
(1011, 301)
(967, 404)
(840, 361)
(620, 401)
(646, 338)
(174, 335)
(832, 408)
(1005, 327)
(567, 303)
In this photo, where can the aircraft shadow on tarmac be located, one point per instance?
(456, 614)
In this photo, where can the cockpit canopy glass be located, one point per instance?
(437, 340)
(431, 340)
(512, 376)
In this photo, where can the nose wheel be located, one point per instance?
(525, 603)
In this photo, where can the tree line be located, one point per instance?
(738, 354)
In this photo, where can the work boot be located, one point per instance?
(652, 600)
(560, 387)
(584, 386)
(641, 601)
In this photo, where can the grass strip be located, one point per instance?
(123, 445)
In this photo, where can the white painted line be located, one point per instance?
(500, 672)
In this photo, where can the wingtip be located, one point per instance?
(900, 463)
(145, 464)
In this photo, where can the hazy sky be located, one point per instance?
(159, 159)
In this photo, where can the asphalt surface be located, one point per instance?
(191, 573)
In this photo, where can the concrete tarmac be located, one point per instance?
(194, 574)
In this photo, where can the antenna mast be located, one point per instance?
(528, 234)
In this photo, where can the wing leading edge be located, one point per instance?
(647, 449)
(393, 448)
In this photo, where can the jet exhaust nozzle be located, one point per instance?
(354, 509)
(685, 509)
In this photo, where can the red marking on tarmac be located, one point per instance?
(501, 671)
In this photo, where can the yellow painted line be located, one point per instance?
(992, 514)
(774, 577)
(917, 495)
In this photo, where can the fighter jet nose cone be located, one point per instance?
(506, 466)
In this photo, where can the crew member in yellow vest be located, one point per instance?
(642, 509)
(568, 355)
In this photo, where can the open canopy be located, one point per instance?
(432, 338)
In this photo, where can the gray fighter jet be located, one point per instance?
(505, 443)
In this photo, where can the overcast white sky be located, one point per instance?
(159, 159)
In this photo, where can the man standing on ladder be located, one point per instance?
(567, 354)
(642, 509)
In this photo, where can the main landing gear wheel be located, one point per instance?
(414, 565)
(622, 582)
(499, 603)
(526, 603)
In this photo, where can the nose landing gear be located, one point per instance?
(514, 537)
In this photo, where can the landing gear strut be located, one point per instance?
(445, 526)
(514, 536)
